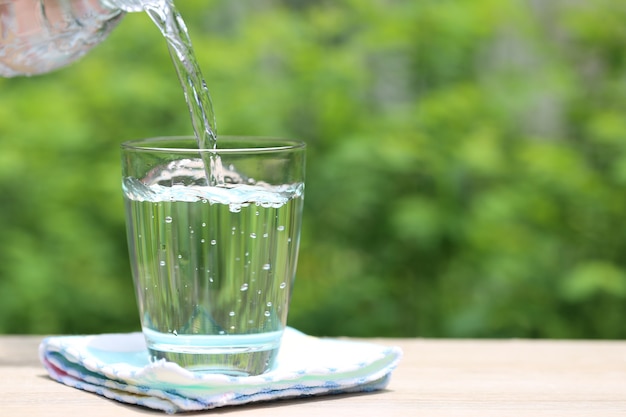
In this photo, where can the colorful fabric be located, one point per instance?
(117, 366)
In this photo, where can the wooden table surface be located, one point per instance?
(435, 378)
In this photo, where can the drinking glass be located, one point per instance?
(213, 238)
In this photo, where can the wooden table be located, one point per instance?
(435, 378)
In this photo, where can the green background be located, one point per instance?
(466, 163)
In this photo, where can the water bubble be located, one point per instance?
(162, 263)
(204, 200)
(203, 224)
(246, 254)
(266, 234)
(280, 228)
(269, 304)
(180, 256)
(232, 314)
(267, 314)
(289, 240)
(283, 285)
(266, 267)
(259, 292)
(202, 240)
(257, 213)
(168, 219)
(213, 242)
(253, 235)
(244, 287)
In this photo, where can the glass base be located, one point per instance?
(236, 355)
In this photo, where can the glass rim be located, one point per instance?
(268, 144)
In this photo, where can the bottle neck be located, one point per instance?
(39, 36)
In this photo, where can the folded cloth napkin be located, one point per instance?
(117, 366)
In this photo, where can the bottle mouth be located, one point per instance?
(130, 5)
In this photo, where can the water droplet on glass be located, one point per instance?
(266, 267)
(232, 314)
(162, 263)
(175, 333)
(283, 285)
(202, 240)
(266, 234)
(203, 224)
(253, 235)
(168, 219)
(244, 287)
(180, 256)
(267, 314)
(280, 228)
(213, 242)
(221, 332)
(269, 304)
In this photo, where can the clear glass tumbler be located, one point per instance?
(213, 263)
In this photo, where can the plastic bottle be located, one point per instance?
(39, 36)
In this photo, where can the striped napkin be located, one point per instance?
(116, 366)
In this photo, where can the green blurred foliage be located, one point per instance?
(466, 163)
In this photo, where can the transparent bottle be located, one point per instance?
(39, 36)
